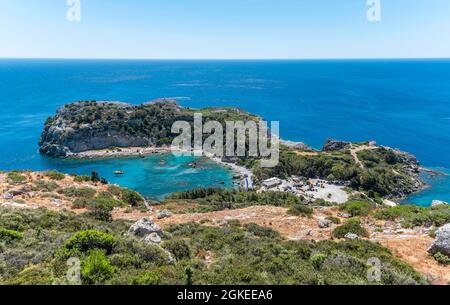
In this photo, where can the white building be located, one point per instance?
(271, 183)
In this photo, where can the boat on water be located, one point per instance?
(119, 173)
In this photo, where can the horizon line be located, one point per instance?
(226, 59)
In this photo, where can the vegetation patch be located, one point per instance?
(84, 241)
(357, 208)
(213, 199)
(248, 255)
(44, 186)
(16, 178)
(413, 216)
(81, 192)
(9, 235)
(352, 226)
(300, 210)
(54, 175)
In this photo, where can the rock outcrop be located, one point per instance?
(85, 126)
(333, 145)
(324, 223)
(295, 145)
(144, 227)
(164, 214)
(442, 241)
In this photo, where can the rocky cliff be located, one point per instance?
(92, 125)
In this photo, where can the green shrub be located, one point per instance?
(44, 186)
(115, 190)
(334, 220)
(300, 210)
(413, 216)
(84, 241)
(82, 178)
(33, 275)
(132, 198)
(101, 213)
(54, 175)
(352, 226)
(9, 235)
(259, 231)
(82, 192)
(357, 208)
(96, 268)
(16, 178)
(178, 247)
(317, 260)
(442, 259)
(164, 275)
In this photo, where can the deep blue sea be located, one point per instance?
(399, 103)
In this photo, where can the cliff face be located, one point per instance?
(84, 126)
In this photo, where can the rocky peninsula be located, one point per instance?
(103, 125)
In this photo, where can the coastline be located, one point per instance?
(240, 173)
(114, 153)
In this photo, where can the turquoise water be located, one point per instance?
(399, 103)
(155, 176)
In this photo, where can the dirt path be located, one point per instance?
(355, 150)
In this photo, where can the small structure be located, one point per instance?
(271, 183)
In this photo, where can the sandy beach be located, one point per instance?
(120, 152)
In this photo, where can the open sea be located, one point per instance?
(398, 103)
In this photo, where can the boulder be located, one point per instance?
(144, 227)
(8, 196)
(153, 238)
(351, 236)
(438, 203)
(21, 191)
(442, 242)
(333, 145)
(56, 202)
(344, 215)
(164, 214)
(324, 223)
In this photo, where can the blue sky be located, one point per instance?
(234, 29)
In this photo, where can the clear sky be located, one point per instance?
(233, 29)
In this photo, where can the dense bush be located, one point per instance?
(96, 268)
(179, 248)
(132, 198)
(16, 178)
(54, 175)
(352, 226)
(357, 208)
(260, 231)
(334, 220)
(442, 259)
(413, 216)
(81, 192)
(318, 259)
(300, 210)
(220, 199)
(82, 178)
(44, 186)
(9, 235)
(84, 241)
